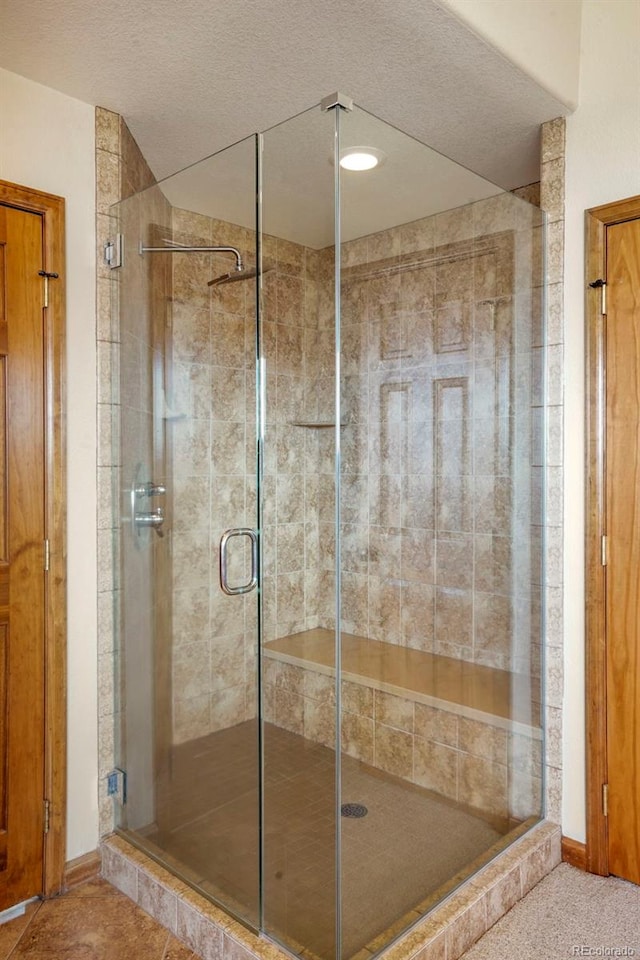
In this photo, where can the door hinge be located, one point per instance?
(46, 276)
(114, 251)
(47, 556)
(602, 286)
(603, 550)
(605, 799)
(47, 815)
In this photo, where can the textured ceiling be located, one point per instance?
(192, 76)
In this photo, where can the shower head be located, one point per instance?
(244, 273)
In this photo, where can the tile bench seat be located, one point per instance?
(465, 731)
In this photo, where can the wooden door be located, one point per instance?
(622, 614)
(22, 575)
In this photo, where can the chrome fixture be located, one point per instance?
(175, 247)
(153, 519)
(150, 489)
(245, 274)
(113, 251)
(146, 490)
(224, 542)
(238, 274)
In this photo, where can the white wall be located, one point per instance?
(603, 165)
(47, 142)
(542, 37)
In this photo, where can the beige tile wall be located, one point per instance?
(295, 352)
(210, 373)
(552, 201)
(427, 549)
(120, 172)
(440, 376)
(214, 464)
(144, 618)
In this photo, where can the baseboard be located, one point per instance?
(574, 853)
(86, 867)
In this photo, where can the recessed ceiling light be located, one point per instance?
(361, 158)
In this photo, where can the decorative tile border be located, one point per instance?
(448, 931)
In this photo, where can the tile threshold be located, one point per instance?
(452, 926)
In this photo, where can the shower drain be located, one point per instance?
(354, 810)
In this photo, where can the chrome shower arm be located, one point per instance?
(180, 249)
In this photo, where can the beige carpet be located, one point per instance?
(569, 914)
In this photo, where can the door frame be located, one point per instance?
(597, 219)
(52, 210)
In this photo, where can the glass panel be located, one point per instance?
(441, 520)
(189, 733)
(299, 865)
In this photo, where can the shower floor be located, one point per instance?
(409, 844)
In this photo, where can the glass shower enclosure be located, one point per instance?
(330, 550)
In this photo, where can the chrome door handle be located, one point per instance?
(224, 542)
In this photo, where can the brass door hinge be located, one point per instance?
(47, 815)
(605, 799)
(602, 286)
(47, 276)
(47, 555)
(604, 543)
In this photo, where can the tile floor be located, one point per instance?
(91, 922)
(410, 843)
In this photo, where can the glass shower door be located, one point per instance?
(301, 825)
(441, 510)
(189, 734)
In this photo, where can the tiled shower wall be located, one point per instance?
(442, 379)
(120, 172)
(211, 424)
(552, 178)
(212, 430)
(442, 396)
